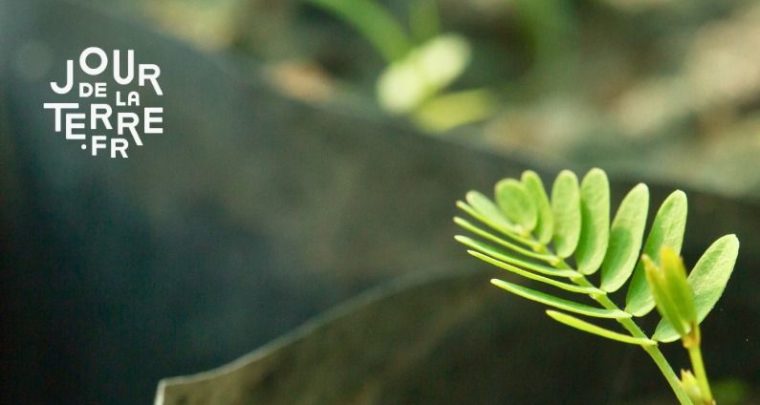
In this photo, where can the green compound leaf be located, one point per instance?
(527, 274)
(494, 225)
(545, 218)
(516, 204)
(584, 326)
(595, 221)
(625, 238)
(559, 303)
(552, 260)
(575, 221)
(485, 207)
(708, 280)
(566, 207)
(497, 221)
(667, 230)
(511, 258)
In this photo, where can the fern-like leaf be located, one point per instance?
(563, 241)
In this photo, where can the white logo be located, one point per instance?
(123, 118)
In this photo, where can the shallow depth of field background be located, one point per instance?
(657, 87)
(314, 150)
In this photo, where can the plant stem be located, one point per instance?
(631, 326)
(653, 351)
(675, 383)
(695, 354)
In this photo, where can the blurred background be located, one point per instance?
(313, 150)
(666, 88)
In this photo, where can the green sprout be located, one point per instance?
(422, 63)
(569, 243)
(675, 301)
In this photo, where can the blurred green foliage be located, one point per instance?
(641, 87)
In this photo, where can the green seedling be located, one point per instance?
(569, 243)
(421, 63)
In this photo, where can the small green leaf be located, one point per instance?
(533, 276)
(667, 230)
(566, 207)
(691, 386)
(423, 72)
(515, 203)
(670, 290)
(559, 303)
(545, 223)
(679, 287)
(500, 225)
(708, 280)
(584, 326)
(510, 258)
(625, 238)
(550, 259)
(484, 206)
(595, 221)
(664, 304)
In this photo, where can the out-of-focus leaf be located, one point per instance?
(425, 71)
(450, 109)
